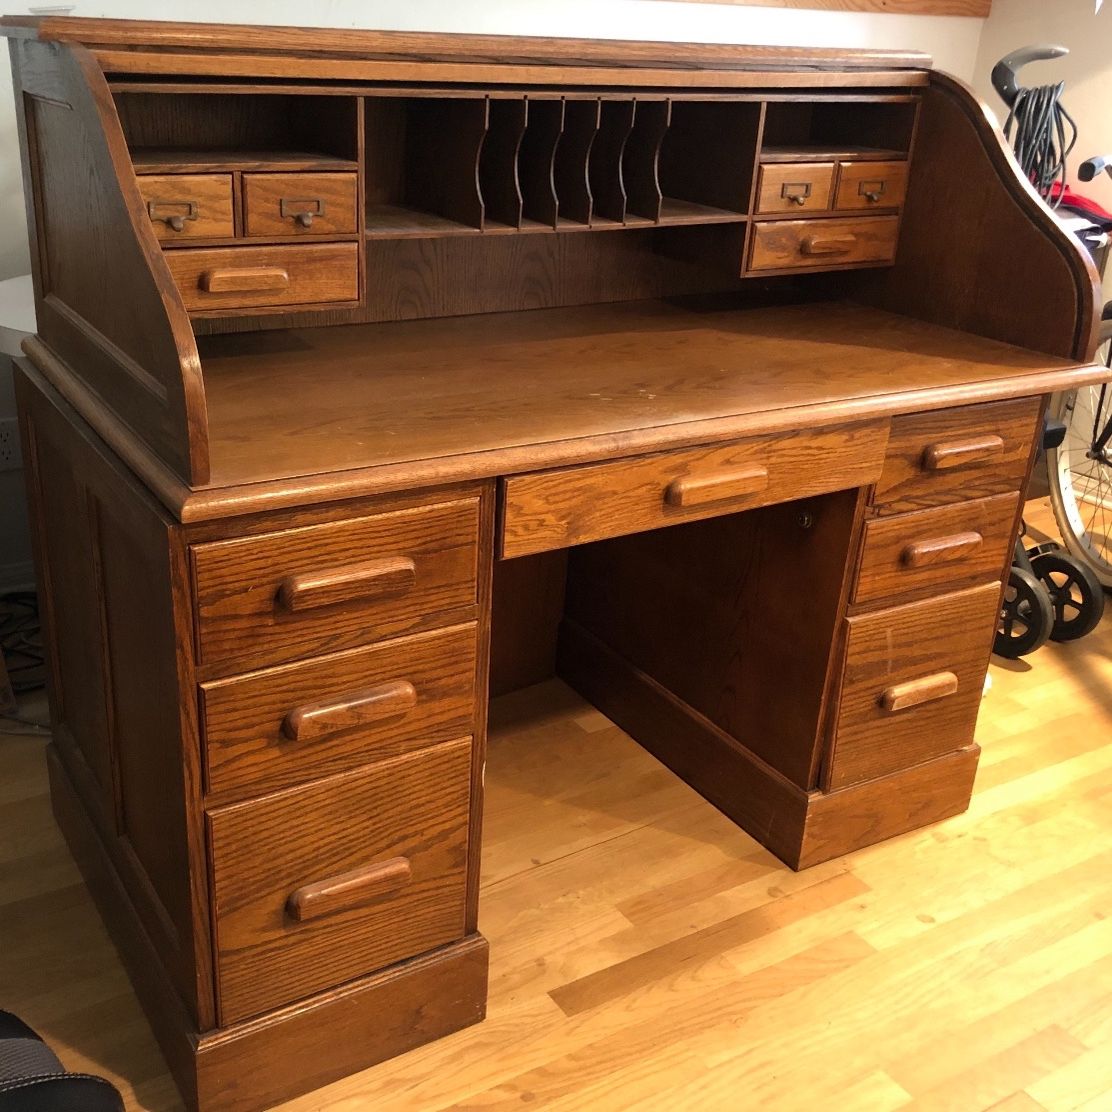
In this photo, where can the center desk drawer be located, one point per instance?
(318, 885)
(574, 505)
(321, 588)
(823, 244)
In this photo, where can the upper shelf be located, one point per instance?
(166, 160)
(825, 152)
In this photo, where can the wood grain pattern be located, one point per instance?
(894, 647)
(807, 244)
(248, 752)
(414, 806)
(555, 509)
(298, 204)
(240, 616)
(910, 482)
(935, 550)
(186, 206)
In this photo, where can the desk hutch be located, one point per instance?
(380, 373)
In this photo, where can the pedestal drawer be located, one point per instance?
(912, 683)
(286, 725)
(321, 588)
(317, 885)
(935, 549)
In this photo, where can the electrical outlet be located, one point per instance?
(10, 458)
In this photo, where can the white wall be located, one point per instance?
(1086, 70)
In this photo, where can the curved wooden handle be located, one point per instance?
(374, 579)
(697, 490)
(317, 720)
(827, 245)
(957, 453)
(348, 890)
(916, 692)
(245, 279)
(940, 550)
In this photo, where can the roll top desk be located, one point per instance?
(379, 374)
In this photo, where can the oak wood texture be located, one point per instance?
(803, 244)
(240, 584)
(265, 853)
(965, 442)
(556, 509)
(296, 204)
(408, 693)
(795, 187)
(170, 160)
(871, 185)
(933, 550)
(187, 206)
(888, 649)
(261, 277)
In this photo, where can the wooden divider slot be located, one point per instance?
(641, 159)
(607, 186)
(573, 155)
(536, 161)
(498, 163)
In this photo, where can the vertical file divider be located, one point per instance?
(607, 187)
(498, 161)
(445, 140)
(536, 163)
(573, 157)
(640, 162)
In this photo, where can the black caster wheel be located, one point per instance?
(1026, 616)
(1076, 595)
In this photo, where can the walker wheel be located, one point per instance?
(1076, 595)
(1026, 616)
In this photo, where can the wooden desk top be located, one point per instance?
(412, 403)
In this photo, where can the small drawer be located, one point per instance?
(952, 455)
(322, 588)
(871, 185)
(795, 187)
(263, 277)
(188, 206)
(318, 885)
(298, 204)
(935, 549)
(300, 722)
(573, 505)
(912, 683)
(823, 244)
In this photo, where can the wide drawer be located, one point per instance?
(573, 505)
(795, 187)
(298, 204)
(912, 683)
(271, 729)
(263, 277)
(317, 885)
(954, 454)
(823, 244)
(871, 185)
(935, 549)
(188, 206)
(302, 592)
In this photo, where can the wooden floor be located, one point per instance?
(646, 954)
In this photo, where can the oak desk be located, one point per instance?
(380, 374)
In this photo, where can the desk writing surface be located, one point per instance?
(301, 402)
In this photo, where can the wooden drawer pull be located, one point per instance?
(699, 490)
(827, 245)
(316, 720)
(375, 579)
(940, 550)
(245, 279)
(348, 890)
(914, 692)
(957, 453)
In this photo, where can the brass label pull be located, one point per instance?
(303, 212)
(872, 191)
(175, 220)
(796, 191)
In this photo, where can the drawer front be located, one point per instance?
(262, 277)
(955, 454)
(795, 187)
(323, 588)
(573, 505)
(318, 885)
(912, 683)
(300, 722)
(818, 244)
(935, 549)
(188, 206)
(871, 185)
(298, 204)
